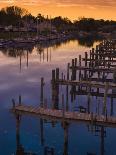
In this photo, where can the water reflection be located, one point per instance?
(20, 49)
(53, 136)
(88, 42)
(96, 130)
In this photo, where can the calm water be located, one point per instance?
(21, 77)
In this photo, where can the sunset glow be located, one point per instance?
(72, 9)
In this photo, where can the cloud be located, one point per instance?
(91, 4)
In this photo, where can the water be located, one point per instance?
(21, 77)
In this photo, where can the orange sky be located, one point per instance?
(72, 9)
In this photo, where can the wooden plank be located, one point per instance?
(85, 83)
(67, 115)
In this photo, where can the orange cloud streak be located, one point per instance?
(105, 9)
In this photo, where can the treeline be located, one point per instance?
(17, 16)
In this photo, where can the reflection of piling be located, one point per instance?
(42, 92)
(89, 99)
(67, 98)
(20, 61)
(27, 58)
(111, 112)
(42, 131)
(49, 151)
(65, 126)
(63, 107)
(105, 98)
(19, 148)
(102, 140)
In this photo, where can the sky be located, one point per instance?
(73, 9)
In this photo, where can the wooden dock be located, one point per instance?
(97, 94)
(85, 84)
(66, 116)
(99, 69)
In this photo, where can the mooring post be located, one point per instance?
(62, 76)
(57, 73)
(53, 76)
(13, 103)
(45, 103)
(79, 60)
(42, 92)
(86, 57)
(73, 69)
(20, 100)
(90, 56)
(93, 54)
(75, 62)
(68, 67)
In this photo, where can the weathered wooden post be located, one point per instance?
(68, 67)
(55, 88)
(90, 58)
(45, 103)
(62, 76)
(42, 92)
(79, 65)
(75, 61)
(19, 99)
(86, 57)
(53, 76)
(79, 60)
(85, 74)
(57, 73)
(96, 55)
(13, 103)
(93, 57)
(73, 72)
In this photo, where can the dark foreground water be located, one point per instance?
(33, 134)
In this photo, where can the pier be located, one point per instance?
(66, 116)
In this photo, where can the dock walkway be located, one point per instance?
(67, 116)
